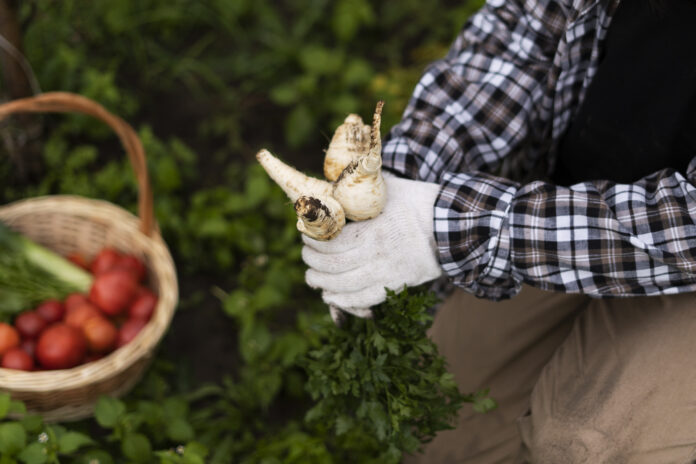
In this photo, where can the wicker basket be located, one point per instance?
(66, 224)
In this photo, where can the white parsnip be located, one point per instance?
(353, 164)
(360, 188)
(320, 218)
(293, 182)
(349, 142)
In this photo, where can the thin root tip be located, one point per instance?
(376, 123)
(262, 154)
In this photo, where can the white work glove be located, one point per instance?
(394, 249)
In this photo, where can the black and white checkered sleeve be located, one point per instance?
(476, 106)
(596, 238)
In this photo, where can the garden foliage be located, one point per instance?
(207, 83)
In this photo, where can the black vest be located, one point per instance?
(639, 113)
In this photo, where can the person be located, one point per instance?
(548, 157)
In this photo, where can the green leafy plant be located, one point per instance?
(29, 440)
(384, 376)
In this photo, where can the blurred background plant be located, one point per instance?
(206, 84)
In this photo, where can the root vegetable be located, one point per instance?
(320, 218)
(358, 193)
(349, 142)
(294, 183)
(312, 220)
(360, 188)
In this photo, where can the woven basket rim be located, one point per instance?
(120, 359)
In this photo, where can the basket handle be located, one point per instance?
(65, 102)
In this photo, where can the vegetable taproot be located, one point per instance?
(353, 164)
(350, 140)
(360, 188)
(319, 217)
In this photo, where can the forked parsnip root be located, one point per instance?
(349, 142)
(320, 218)
(360, 188)
(293, 182)
(359, 191)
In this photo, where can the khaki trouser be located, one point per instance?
(578, 380)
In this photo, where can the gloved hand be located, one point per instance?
(394, 249)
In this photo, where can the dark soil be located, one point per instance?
(202, 338)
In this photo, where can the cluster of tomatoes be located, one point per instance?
(82, 328)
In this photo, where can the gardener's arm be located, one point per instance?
(597, 238)
(472, 111)
(492, 234)
(483, 104)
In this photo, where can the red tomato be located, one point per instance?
(100, 334)
(51, 310)
(105, 260)
(75, 299)
(61, 347)
(113, 290)
(78, 315)
(78, 260)
(9, 337)
(29, 345)
(129, 330)
(17, 358)
(30, 324)
(133, 265)
(143, 306)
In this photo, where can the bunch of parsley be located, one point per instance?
(383, 378)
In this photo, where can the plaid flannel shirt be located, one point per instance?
(492, 112)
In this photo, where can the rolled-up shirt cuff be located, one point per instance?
(473, 235)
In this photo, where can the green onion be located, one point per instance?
(30, 273)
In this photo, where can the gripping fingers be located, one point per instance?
(356, 302)
(345, 282)
(348, 239)
(332, 263)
